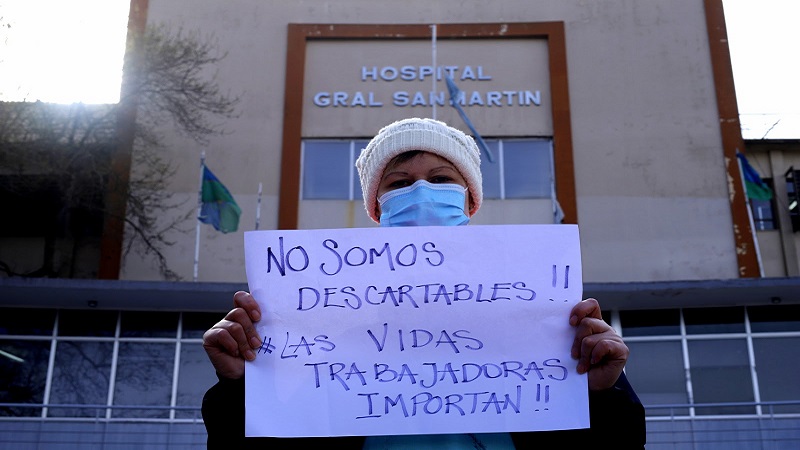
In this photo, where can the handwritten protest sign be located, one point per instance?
(421, 330)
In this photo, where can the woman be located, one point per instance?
(422, 172)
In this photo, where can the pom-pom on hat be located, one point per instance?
(419, 134)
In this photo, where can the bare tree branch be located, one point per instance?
(69, 147)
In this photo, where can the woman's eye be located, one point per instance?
(441, 179)
(398, 184)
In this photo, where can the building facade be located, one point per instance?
(617, 116)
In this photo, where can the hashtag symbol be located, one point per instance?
(266, 346)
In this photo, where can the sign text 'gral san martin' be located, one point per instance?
(512, 96)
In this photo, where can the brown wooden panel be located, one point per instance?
(732, 141)
(292, 126)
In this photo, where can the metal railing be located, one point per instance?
(771, 426)
(760, 409)
(768, 426)
(100, 427)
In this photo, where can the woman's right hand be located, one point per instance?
(234, 339)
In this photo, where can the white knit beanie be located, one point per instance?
(419, 134)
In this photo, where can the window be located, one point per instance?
(655, 370)
(329, 170)
(774, 318)
(97, 364)
(770, 352)
(47, 220)
(63, 366)
(23, 370)
(763, 210)
(793, 190)
(194, 378)
(720, 373)
(81, 375)
(522, 168)
(773, 369)
(651, 322)
(714, 320)
(144, 377)
(714, 361)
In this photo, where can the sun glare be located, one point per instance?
(60, 51)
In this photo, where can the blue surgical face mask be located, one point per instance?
(424, 203)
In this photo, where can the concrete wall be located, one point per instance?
(652, 193)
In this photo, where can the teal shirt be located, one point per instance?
(483, 441)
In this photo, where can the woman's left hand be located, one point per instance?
(599, 350)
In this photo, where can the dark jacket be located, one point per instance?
(616, 416)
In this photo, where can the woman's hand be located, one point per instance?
(599, 350)
(233, 339)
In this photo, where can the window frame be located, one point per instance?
(352, 187)
(109, 409)
(792, 178)
(299, 35)
(498, 143)
(685, 337)
(771, 223)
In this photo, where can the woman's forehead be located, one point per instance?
(421, 158)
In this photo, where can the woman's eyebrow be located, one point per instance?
(443, 167)
(393, 172)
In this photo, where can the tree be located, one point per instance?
(63, 156)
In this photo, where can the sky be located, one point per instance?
(762, 34)
(764, 37)
(44, 66)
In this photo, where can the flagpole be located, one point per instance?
(433, 62)
(558, 212)
(258, 206)
(199, 209)
(455, 93)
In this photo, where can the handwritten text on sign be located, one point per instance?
(423, 330)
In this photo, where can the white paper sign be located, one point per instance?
(422, 330)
